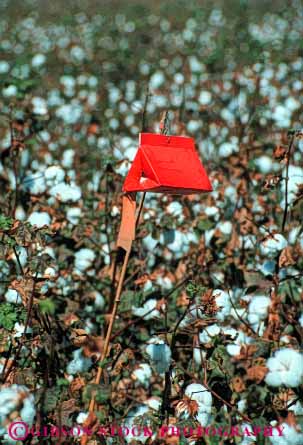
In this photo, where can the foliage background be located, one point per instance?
(74, 77)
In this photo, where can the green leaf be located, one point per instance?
(8, 316)
(5, 222)
(47, 306)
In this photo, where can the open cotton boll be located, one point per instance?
(20, 330)
(264, 164)
(301, 320)
(38, 60)
(79, 363)
(12, 296)
(267, 268)
(295, 179)
(84, 259)
(258, 309)
(16, 399)
(81, 418)
(98, 298)
(273, 245)
(176, 209)
(234, 348)
(223, 303)
(149, 242)
(203, 397)
(34, 183)
(159, 353)
(150, 406)
(142, 374)
(66, 192)
(209, 333)
(39, 219)
(54, 175)
(199, 355)
(285, 368)
(20, 213)
(225, 227)
(39, 105)
(73, 215)
(22, 255)
(148, 311)
(290, 435)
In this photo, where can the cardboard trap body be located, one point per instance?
(166, 164)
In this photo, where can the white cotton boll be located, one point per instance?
(54, 175)
(66, 192)
(285, 368)
(258, 309)
(22, 254)
(227, 148)
(16, 398)
(156, 80)
(281, 115)
(35, 183)
(295, 180)
(81, 418)
(73, 215)
(301, 320)
(176, 209)
(267, 268)
(20, 330)
(79, 363)
(292, 104)
(148, 311)
(10, 91)
(234, 348)
(130, 153)
(12, 296)
(160, 354)
(39, 219)
(208, 234)
(290, 435)
(225, 227)
(204, 98)
(264, 164)
(130, 421)
(99, 299)
(39, 105)
(4, 66)
(272, 245)
(84, 259)
(20, 213)
(212, 211)
(38, 60)
(209, 333)
(70, 113)
(242, 405)
(200, 394)
(293, 235)
(149, 242)
(68, 158)
(203, 397)
(142, 374)
(223, 303)
(164, 282)
(297, 408)
(199, 355)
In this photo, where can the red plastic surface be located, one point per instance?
(167, 164)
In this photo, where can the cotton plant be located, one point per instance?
(39, 219)
(258, 312)
(285, 367)
(148, 311)
(272, 245)
(17, 404)
(84, 259)
(202, 405)
(79, 363)
(151, 407)
(142, 374)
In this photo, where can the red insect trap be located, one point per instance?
(163, 164)
(166, 164)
